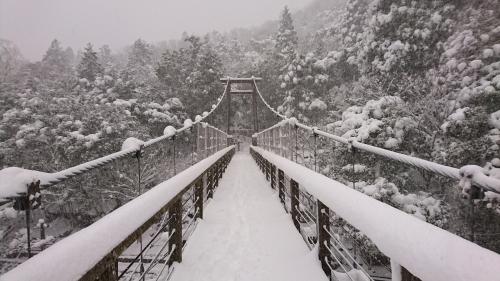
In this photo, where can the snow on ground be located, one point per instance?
(246, 234)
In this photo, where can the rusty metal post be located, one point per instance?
(323, 221)
(210, 182)
(294, 194)
(273, 176)
(281, 186)
(199, 197)
(110, 272)
(268, 170)
(175, 224)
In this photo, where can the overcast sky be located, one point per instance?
(32, 24)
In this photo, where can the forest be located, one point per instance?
(416, 77)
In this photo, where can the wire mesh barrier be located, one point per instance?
(345, 252)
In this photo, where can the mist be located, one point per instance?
(33, 24)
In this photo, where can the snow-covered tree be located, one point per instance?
(89, 67)
(286, 39)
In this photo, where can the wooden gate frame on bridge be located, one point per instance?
(252, 92)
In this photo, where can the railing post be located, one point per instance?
(294, 194)
(281, 186)
(273, 176)
(210, 183)
(199, 197)
(268, 168)
(323, 221)
(175, 224)
(110, 272)
(216, 175)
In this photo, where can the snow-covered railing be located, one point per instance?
(470, 175)
(415, 247)
(14, 181)
(92, 253)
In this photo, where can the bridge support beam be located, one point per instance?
(252, 82)
(323, 223)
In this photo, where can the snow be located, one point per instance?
(496, 49)
(188, 123)
(246, 235)
(424, 249)
(169, 131)
(14, 181)
(495, 119)
(70, 258)
(132, 144)
(317, 104)
(476, 64)
(352, 275)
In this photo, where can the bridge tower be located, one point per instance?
(244, 86)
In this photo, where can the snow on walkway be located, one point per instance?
(246, 234)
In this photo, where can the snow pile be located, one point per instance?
(317, 104)
(132, 144)
(14, 181)
(169, 131)
(358, 168)
(421, 204)
(188, 123)
(360, 122)
(456, 118)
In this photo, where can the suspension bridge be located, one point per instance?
(262, 211)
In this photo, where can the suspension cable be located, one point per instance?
(481, 180)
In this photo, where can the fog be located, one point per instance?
(32, 24)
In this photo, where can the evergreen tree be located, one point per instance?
(89, 67)
(139, 68)
(56, 63)
(286, 39)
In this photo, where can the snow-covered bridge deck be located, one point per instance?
(246, 234)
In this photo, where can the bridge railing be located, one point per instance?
(85, 192)
(162, 219)
(415, 249)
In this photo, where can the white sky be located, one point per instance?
(32, 24)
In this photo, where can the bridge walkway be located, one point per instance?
(246, 234)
